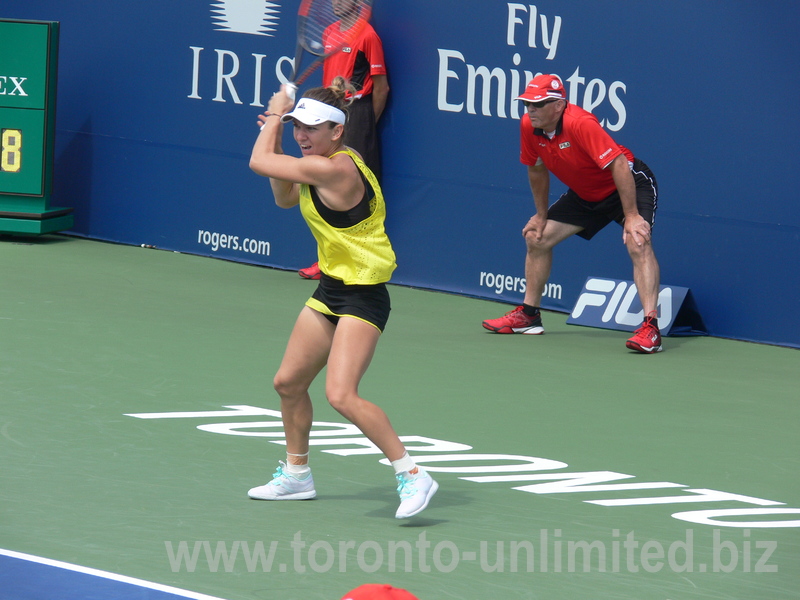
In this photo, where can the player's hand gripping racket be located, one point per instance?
(323, 28)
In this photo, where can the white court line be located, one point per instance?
(106, 575)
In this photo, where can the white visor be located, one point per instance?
(314, 112)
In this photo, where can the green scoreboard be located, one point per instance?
(28, 75)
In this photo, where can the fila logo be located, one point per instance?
(564, 145)
(607, 302)
(347, 49)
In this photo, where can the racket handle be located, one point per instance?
(291, 90)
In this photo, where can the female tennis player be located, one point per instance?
(339, 326)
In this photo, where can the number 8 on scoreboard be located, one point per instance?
(10, 150)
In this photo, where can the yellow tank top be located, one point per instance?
(360, 254)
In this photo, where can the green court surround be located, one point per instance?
(91, 332)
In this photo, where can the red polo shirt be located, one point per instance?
(578, 154)
(357, 63)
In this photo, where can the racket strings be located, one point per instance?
(315, 31)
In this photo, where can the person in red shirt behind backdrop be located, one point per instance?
(606, 183)
(362, 65)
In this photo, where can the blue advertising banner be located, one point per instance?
(157, 107)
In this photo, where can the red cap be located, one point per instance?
(543, 87)
(378, 591)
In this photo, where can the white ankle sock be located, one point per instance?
(403, 464)
(297, 471)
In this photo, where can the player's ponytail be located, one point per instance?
(343, 90)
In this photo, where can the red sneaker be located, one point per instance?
(311, 272)
(516, 321)
(646, 339)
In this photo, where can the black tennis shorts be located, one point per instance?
(594, 216)
(334, 299)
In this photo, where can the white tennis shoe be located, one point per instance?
(415, 492)
(285, 487)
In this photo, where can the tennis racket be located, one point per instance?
(323, 28)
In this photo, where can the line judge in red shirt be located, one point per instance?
(606, 183)
(362, 65)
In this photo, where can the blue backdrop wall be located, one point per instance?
(157, 108)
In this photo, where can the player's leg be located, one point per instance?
(539, 258)
(305, 356)
(538, 262)
(646, 275)
(646, 271)
(351, 353)
(353, 347)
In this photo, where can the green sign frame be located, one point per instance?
(28, 85)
